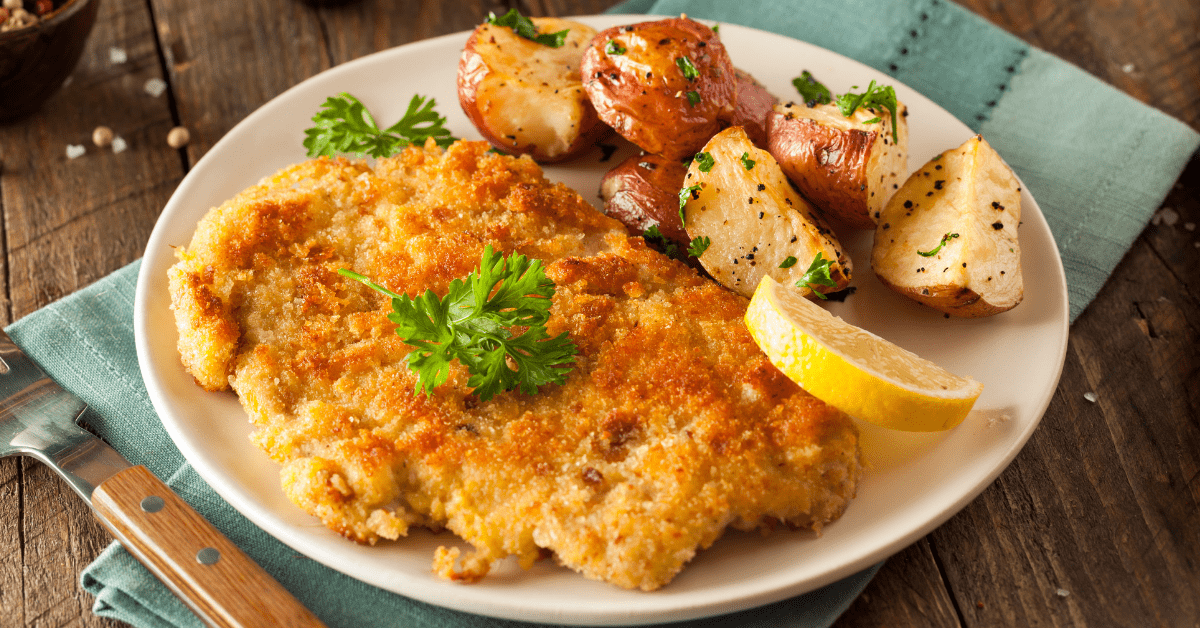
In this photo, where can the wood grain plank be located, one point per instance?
(360, 28)
(12, 573)
(104, 206)
(907, 591)
(226, 58)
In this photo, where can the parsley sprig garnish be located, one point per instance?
(946, 238)
(817, 275)
(343, 125)
(815, 93)
(474, 323)
(704, 161)
(811, 90)
(875, 96)
(524, 27)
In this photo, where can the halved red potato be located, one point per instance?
(754, 220)
(754, 104)
(526, 97)
(666, 86)
(844, 165)
(948, 238)
(643, 191)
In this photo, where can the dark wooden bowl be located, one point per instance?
(35, 61)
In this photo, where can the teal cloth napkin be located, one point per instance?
(85, 342)
(1098, 162)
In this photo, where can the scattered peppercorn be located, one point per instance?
(178, 137)
(102, 137)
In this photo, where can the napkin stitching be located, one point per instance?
(104, 359)
(1132, 148)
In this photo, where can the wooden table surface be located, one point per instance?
(1101, 503)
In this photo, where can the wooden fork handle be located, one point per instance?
(205, 569)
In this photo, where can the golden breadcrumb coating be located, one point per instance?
(672, 425)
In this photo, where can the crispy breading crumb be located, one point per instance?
(671, 427)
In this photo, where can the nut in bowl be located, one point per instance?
(38, 56)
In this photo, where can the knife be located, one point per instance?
(223, 586)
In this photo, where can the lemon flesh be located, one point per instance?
(854, 370)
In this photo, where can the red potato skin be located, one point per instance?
(472, 69)
(643, 191)
(642, 94)
(828, 165)
(754, 104)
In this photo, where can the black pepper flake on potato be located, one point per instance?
(997, 225)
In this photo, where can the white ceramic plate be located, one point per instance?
(913, 482)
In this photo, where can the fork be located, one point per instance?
(223, 586)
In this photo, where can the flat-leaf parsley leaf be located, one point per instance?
(474, 323)
(343, 125)
(699, 246)
(875, 96)
(817, 275)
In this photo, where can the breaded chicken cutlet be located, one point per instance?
(671, 427)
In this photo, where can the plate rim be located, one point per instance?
(258, 514)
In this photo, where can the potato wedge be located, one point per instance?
(968, 198)
(525, 97)
(666, 86)
(847, 167)
(643, 191)
(754, 104)
(754, 219)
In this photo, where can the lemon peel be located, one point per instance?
(853, 369)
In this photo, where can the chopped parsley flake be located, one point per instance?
(698, 246)
(945, 239)
(524, 27)
(811, 90)
(747, 163)
(614, 47)
(704, 161)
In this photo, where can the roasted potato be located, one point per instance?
(753, 218)
(754, 104)
(844, 165)
(667, 86)
(948, 238)
(526, 97)
(643, 191)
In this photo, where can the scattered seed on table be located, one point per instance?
(155, 87)
(75, 150)
(178, 137)
(1062, 593)
(119, 145)
(117, 55)
(1090, 396)
(102, 136)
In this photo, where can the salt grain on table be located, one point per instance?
(155, 87)
(119, 145)
(1062, 593)
(117, 55)
(1090, 396)
(75, 150)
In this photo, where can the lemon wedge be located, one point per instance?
(854, 370)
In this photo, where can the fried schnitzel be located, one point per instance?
(671, 427)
